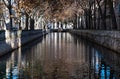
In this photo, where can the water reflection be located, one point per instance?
(13, 38)
(61, 56)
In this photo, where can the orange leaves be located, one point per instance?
(58, 9)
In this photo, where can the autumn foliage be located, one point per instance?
(56, 9)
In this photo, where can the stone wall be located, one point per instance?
(109, 39)
(10, 40)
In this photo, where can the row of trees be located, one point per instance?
(12, 11)
(101, 15)
(84, 14)
(51, 10)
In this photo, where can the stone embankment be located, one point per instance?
(109, 39)
(11, 40)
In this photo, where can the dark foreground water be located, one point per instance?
(60, 56)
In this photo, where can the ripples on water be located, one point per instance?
(60, 56)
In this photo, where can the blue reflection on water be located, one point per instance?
(97, 65)
(102, 74)
(105, 72)
(101, 69)
(13, 74)
(108, 72)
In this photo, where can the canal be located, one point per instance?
(60, 56)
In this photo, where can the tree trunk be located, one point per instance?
(10, 12)
(75, 22)
(32, 24)
(94, 15)
(113, 17)
(103, 27)
(27, 17)
(90, 19)
(98, 22)
(86, 20)
(104, 14)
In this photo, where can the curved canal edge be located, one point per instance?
(108, 39)
(11, 40)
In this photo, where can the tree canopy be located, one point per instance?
(55, 9)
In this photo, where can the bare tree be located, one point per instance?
(8, 4)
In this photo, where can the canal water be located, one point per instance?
(60, 56)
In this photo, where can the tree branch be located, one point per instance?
(99, 7)
(5, 3)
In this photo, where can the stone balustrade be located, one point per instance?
(109, 39)
(10, 40)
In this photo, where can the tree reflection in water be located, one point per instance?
(61, 56)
